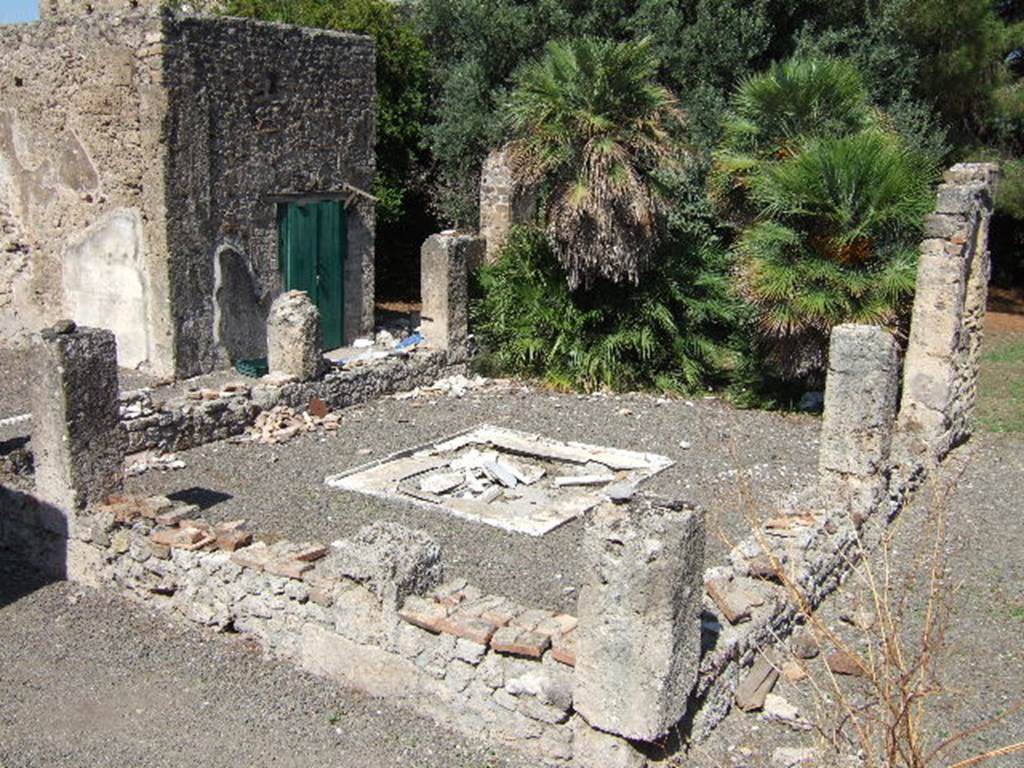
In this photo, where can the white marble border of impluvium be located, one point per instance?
(383, 477)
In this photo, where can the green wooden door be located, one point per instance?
(312, 251)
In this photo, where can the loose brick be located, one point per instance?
(288, 568)
(500, 615)
(232, 541)
(176, 537)
(529, 619)
(519, 642)
(311, 553)
(423, 613)
(563, 648)
(469, 627)
(255, 556)
(230, 525)
(198, 522)
(174, 516)
(318, 407)
(557, 625)
(729, 600)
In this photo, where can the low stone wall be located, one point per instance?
(371, 612)
(206, 416)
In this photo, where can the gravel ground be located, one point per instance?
(89, 679)
(737, 461)
(981, 666)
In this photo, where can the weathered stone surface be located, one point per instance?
(592, 748)
(144, 171)
(941, 368)
(79, 449)
(860, 412)
(756, 684)
(445, 288)
(504, 203)
(638, 639)
(393, 561)
(293, 337)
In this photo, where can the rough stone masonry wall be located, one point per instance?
(370, 611)
(248, 129)
(204, 416)
(871, 460)
(941, 369)
(81, 180)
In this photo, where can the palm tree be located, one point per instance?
(591, 124)
(828, 204)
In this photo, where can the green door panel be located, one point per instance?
(313, 249)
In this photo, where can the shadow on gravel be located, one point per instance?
(204, 498)
(33, 545)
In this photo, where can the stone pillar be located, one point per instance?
(503, 202)
(941, 370)
(860, 411)
(76, 432)
(444, 282)
(638, 640)
(293, 337)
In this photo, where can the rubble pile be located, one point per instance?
(281, 423)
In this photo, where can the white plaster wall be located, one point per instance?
(105, 286)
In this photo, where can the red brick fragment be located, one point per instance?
(561, 624)
(311, 553)
(232, 541)
(199, 523)
(176, 537)
(288, 568)
(173, 516)
(730, 601)
(204, 540)
(520, 642)
(843, 663)
(469, 627)
(563, 648)
(318, 407)
(230, 525)
(425, 614)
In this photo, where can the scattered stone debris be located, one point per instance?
(844, 663)
(141, 463)
(512, 480)
(779, 710)
(281, 423)
(451, 386)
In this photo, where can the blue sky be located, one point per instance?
(18, 10)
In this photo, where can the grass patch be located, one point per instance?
(1001, 383)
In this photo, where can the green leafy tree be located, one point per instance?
(590, 122)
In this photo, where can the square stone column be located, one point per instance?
(860, 412)
(445, 260)
(76, 432)
(638, 639)
(293, 337)
(504, 202)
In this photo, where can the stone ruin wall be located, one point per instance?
(142, 158)
(367, 612)
(943, 353)
(81, 182)
(249, 128)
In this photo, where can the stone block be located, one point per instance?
(394, 562)
(76, 436)
(444, 285)
(638, 639)
(504, 202)
(592, 748)
(293, 337)
(860, 401)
